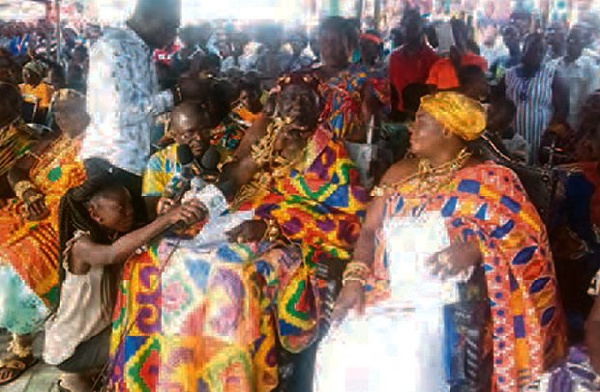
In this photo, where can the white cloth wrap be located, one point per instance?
(213, 199)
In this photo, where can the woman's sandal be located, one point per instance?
(61, 388)
(16, 364)
(14, 368)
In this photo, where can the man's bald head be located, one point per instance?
(188, 115)
(190, 125)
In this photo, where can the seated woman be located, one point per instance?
(444, 74)
(438, 223)
(29, 231)
(96, 223)
(37, 95)
(576, 233)
(220, 311)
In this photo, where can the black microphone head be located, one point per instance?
(185, 155)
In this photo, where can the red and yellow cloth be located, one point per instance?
(344, 96)
(15, 141)
(31, 248)
(40, 94)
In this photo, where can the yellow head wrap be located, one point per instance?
(461, 115)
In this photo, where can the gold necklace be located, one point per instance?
(428, 178)
(273, 165)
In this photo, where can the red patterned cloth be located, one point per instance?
(487, 204)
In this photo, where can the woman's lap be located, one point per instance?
(21, 311)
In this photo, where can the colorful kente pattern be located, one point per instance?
(32, 247)
(344, 95)
(487, 204)
(14, 143)
(211, 321)
(319, 207)
(228, 135)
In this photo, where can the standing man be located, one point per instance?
(512, 41)
(579, 71)
(412, 62)
(124, 96)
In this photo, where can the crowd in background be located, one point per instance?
(318, 137)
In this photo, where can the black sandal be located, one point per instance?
(14, 368)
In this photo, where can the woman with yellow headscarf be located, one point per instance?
(35, 91)
(452, 272)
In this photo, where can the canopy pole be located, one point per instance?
(58, 31)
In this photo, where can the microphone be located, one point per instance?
(186, 160)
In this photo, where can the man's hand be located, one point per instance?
(35, 204)
(164, 205)
(248, 232)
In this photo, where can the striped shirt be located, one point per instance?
(532, 97)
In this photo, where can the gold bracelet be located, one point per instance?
(22, 187)
(363, 282)
(272, 231)
(33, 199)
(356, 269)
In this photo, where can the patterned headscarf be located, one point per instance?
(36, 67)
(459, 114)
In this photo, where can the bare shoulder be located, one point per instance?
(80, 250)
(399, 171)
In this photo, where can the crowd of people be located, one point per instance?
(191, 208)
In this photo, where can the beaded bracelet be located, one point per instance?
(22, 187)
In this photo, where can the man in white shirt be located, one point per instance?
(123, 96)
(580, 72)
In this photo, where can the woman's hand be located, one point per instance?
(352, 297)
(35, 204)
(187, 214)
(455, 259)
(248, 231)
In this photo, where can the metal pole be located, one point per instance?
(377, 15)
(58, 32)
